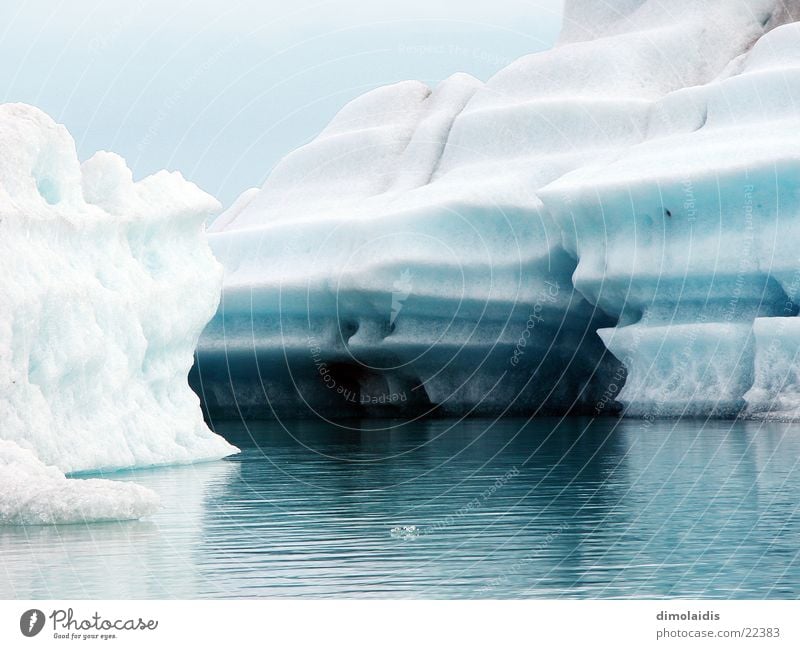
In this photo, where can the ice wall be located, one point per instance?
(690, 238)
(445, 250)
(358, 285)
(106, 285)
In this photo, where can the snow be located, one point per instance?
(461, 246)
(107, 285)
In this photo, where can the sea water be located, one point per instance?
(548, 508)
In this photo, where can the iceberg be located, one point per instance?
(617, 210)
(36, 494)
(688, 239)
(107, 284)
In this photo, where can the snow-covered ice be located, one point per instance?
(106, 286)
(457, 249)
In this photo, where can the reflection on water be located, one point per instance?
(152, 558)
(445, 509)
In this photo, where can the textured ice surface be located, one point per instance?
(106, 285)
(32, 493)
(691, 236)
(456, 249)
(775, 392)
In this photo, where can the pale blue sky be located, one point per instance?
(222, 89)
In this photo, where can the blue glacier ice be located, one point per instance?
(32, 493)
(609, 222)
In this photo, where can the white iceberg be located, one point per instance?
(106, 285)
(455, 250)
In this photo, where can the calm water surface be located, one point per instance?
(511, 509)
